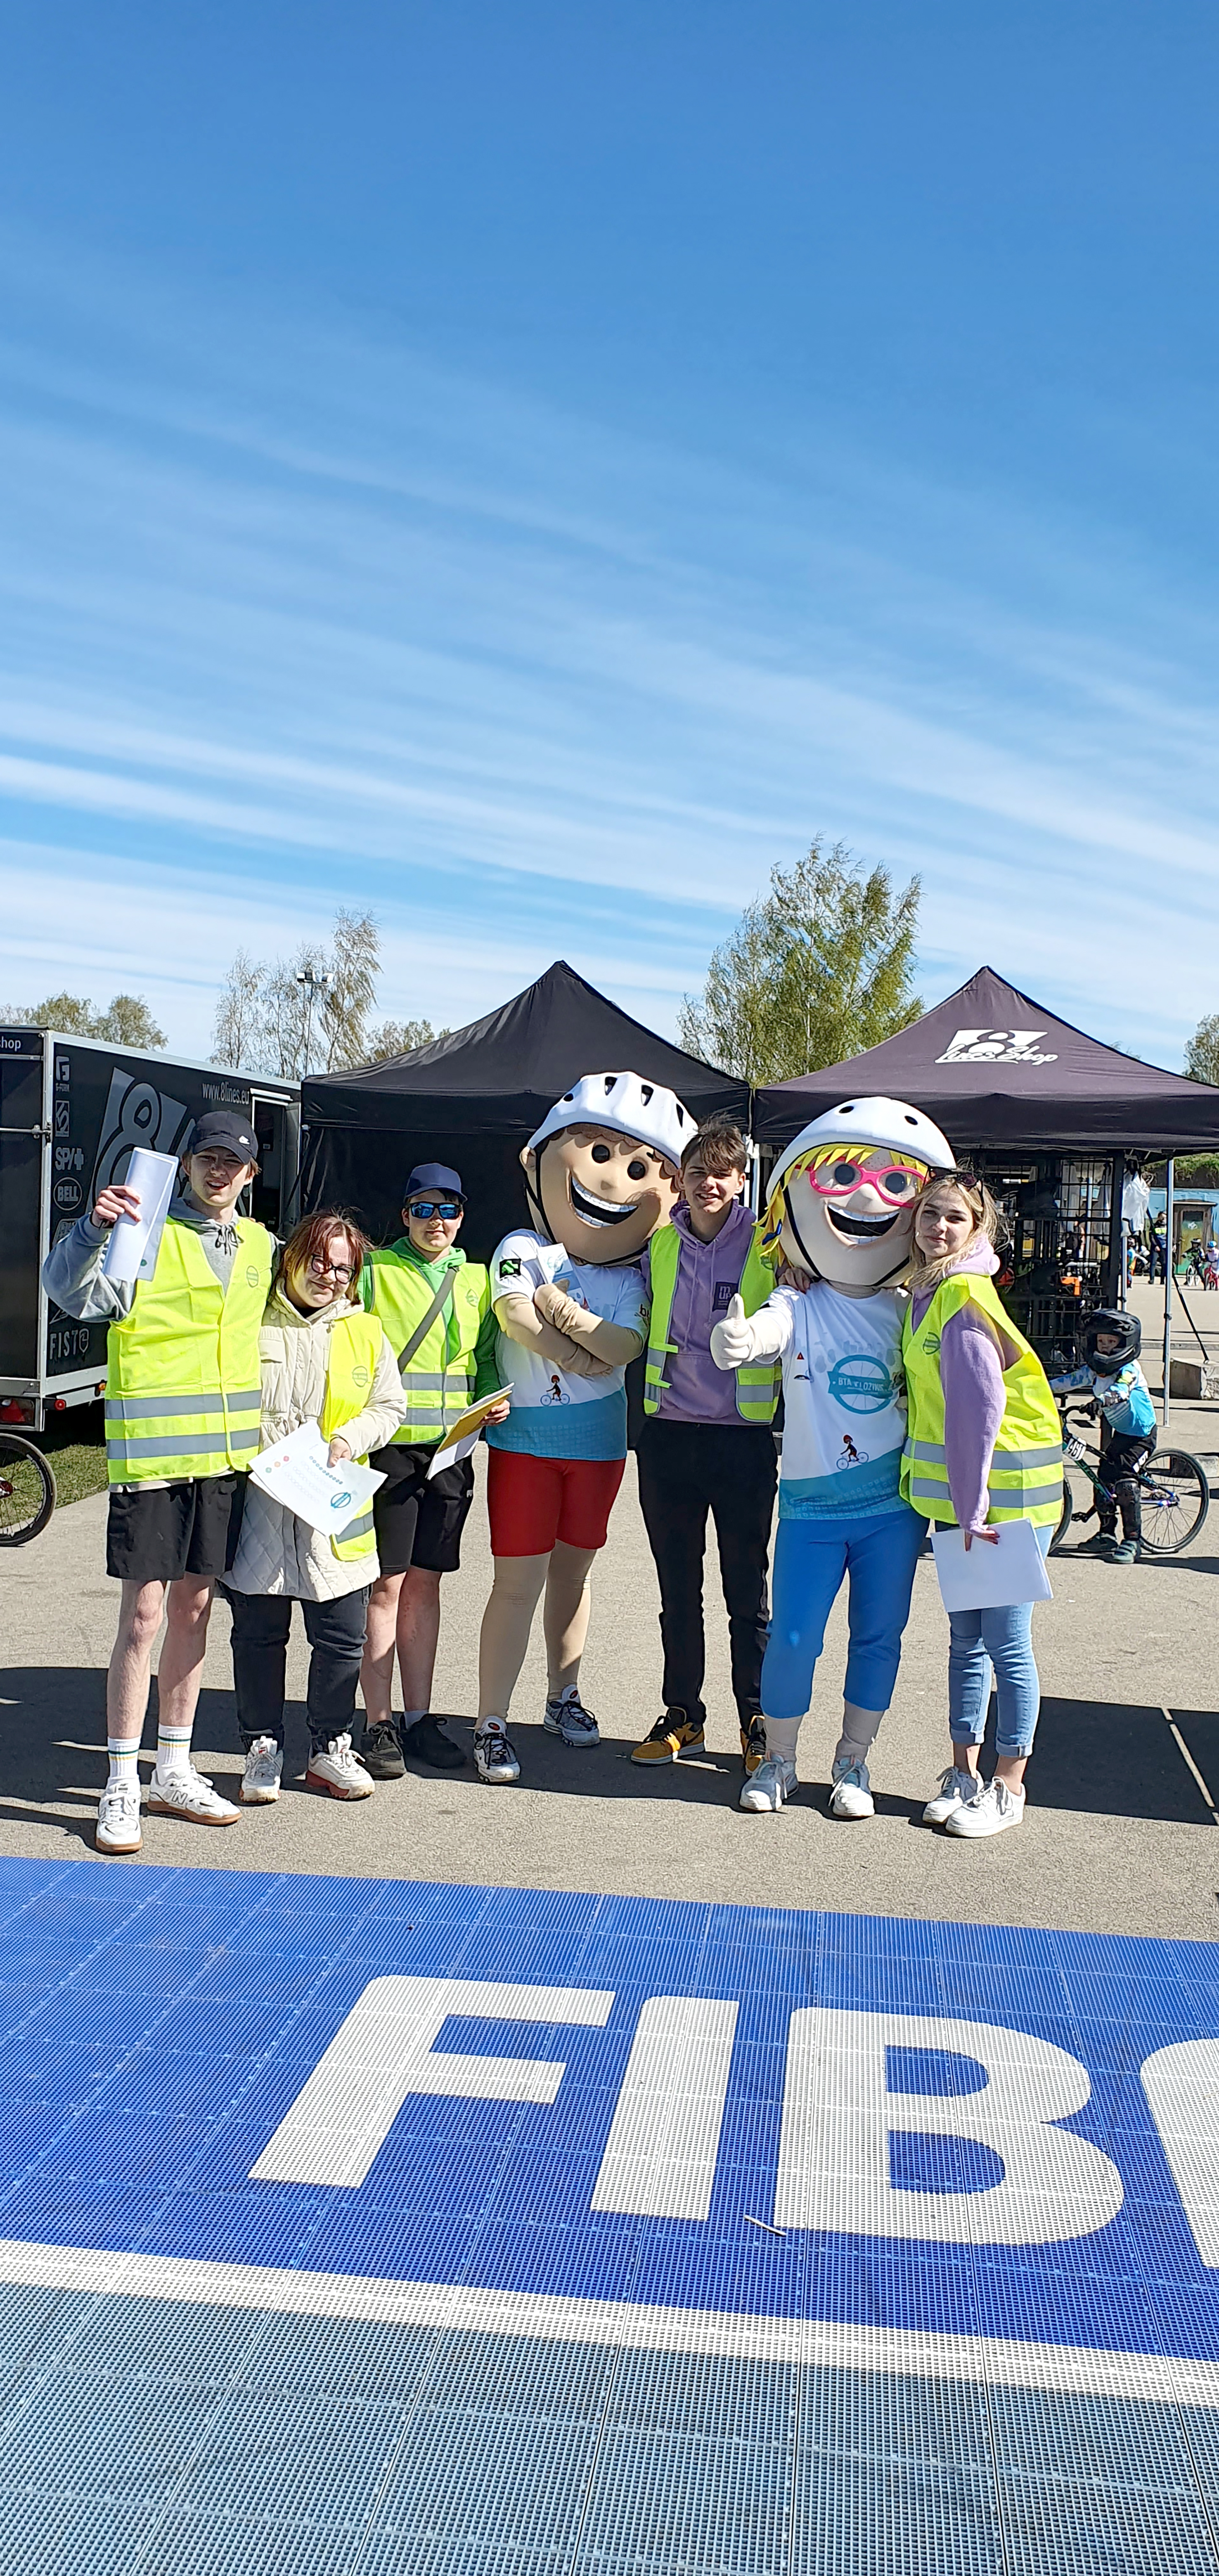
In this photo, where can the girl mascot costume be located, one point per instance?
(840, 1212)
(601, 1174)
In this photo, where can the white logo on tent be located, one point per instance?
(995, 1046)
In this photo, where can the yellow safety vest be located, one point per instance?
(351, 1365)
(1025, 1480)
(757, 1386)
(438, 1381)
(183, 1373)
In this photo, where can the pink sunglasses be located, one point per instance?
(837, 1180)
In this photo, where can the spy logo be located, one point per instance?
(861, 1384)
(359, 1377)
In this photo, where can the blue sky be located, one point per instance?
(528, 468)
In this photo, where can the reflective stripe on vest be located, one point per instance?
(757, 1385)
(183, 1372)
(438, 1382)
(351, 1365)
(1025, 1479)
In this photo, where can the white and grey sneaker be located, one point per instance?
(769, 1787)
(189, 1795)
(334, 1767)
(850, 1797)
(494, 1757)
(567, 1716)
(956, 1789)
(260, 1780)
(118, 1817)
(991, 1812)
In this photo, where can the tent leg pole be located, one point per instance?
(1169, 1268)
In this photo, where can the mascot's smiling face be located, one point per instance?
(846, 1212)
(602, 1194)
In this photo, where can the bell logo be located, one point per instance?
(995, 1046)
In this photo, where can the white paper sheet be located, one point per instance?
(463, 1438)
(295, 1473)
(136, 1240)
(991, 1578)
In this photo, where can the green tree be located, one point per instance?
(819, 968)
(399, 1037)
(1202, 1052)
(127, 1023)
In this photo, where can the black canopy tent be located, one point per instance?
(1048, 1113)
(473, 1098)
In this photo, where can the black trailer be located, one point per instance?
(71, 1109)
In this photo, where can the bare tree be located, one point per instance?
(239, 1026)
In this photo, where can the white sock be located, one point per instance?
(555, 1698)
(173, 1751)
(860, 1728)
(782, 1734)
(123, 1759)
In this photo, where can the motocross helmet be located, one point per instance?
(1129, 1335)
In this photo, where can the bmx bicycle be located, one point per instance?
(27, 1490)
(1174, 1495)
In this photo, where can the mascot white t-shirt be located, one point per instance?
(554, 1414)
(844, 1413)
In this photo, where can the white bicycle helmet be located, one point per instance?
(628, 1106)
(870, 1123)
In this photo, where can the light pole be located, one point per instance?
(313, 983)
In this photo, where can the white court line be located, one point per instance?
(441, 2306)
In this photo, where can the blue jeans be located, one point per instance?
(978, 1640)
(878, 1552)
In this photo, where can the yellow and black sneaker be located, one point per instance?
(753, 1744)
(672, 1735)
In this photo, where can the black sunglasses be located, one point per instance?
(425, 1208)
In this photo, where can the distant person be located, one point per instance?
(1156, 1264)
(435, 1307)
(1114, 1379)
(183, 1400)
(325, 1361)
(707, 1446)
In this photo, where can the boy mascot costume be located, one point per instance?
(840, 1212)
(601, 1173)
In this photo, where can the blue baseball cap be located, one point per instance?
(436, 1177)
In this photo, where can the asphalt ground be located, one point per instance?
(1120, 1835)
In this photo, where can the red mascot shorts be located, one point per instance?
(531, 1502)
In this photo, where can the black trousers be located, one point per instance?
(1121, 1453)
(335, 1630)
(687, 1469)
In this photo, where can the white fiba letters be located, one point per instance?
(1182, 2088)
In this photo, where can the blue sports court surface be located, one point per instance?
(353, 2227)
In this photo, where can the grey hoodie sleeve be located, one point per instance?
(72, 1276)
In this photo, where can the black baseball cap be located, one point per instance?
(228, 1131)
(443, 1182)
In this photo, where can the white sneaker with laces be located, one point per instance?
(956, 1789)
(850, 1796)
(769, 1787)
(187, 1794)
(118, 1817)
(567, 1716)
(334, 1767)
(991, 1812)
(260, 1780)
(494, 1757)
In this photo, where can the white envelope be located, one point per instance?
(991, 1578)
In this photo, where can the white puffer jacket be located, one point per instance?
(277, 1552)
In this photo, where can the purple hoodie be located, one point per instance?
(708, 1277)
(971, 1374)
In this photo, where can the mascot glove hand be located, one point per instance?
(733, 1342)
(585, 1364)
(557, 1308)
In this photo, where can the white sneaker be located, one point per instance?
(567, 1716)
(851, 1797)
(189, 1795)
(991, 1812)
(769, 1787)
(956, 1789)
(260, 1780)
(494, 1757)
(334, 1767)
(118, 1817)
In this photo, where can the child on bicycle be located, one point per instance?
(1115, 1380)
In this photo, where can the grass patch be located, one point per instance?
(74, 1446)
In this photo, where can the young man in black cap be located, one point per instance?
(183, 1401)
(436, 1310)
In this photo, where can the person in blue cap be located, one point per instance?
(435, 1307)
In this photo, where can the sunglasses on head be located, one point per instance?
(425, 1208)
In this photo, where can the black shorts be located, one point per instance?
(418, 1523)
(155, 1533)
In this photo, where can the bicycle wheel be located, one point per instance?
(27, 1490)
(1078, 1506)
(1175, 1498)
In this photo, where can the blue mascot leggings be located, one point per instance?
(878, 1554)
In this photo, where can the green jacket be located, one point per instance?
(456, 1361)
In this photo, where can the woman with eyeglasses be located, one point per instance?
(325, 1361)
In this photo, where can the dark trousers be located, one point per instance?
(335, 1630)
(1121, 1453)
(687, 1469)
